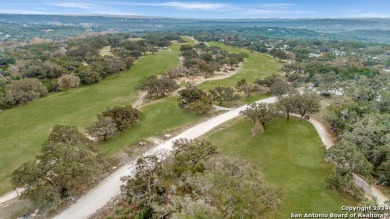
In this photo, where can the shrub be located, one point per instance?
(24, 91)
(68, 81)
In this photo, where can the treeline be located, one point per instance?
(60, 66)
(360, 119)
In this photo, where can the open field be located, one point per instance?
(290, 156)
(258, 65)
(161, 116)
(24, 128)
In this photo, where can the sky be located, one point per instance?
(214, 9)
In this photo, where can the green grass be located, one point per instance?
(290, 156)
(258, 65)
(189, 40)
(160, 117)
(24, 128)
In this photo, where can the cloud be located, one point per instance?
(281, 5)
(260, 12)
(17, 11)
(197, 6)
(73, 5)
(200, 6)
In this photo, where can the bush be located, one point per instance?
(24, 91)
(68, 81)
(158, 86)
(123, 117)
(104, 128)
(89, 77)
(195, 100)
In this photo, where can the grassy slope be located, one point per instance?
(258, 65)
(160, 117)
(290, 156)
(24, 128)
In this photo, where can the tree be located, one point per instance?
(195, 100)
(188, 155)
(89, 76)
(286, 104)
(105, 127)
(158, 86)
(24, 91)
(260, 113)
(384, 101)
(292, 68)
(281, 87)
(277, 53)
(221, 94)
(248, 89)
(307, 102)
(65, 167)
(343, 113)
(348, 160)
(123, 117)
(67, 82)
(145, 187)
(369, 136)
(267, 81)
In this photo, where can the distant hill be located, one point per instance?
(358, 29)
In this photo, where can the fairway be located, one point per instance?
(160, 117)
(258, 65)
(290, 155)
(24, 128)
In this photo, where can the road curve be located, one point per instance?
(110, 187)
(367, 188)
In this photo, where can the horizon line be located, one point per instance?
(192, 18)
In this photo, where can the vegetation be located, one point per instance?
(260, 114)
(24, 91)
(68, 163)
(222, 94)
(248, 89)
(290, 156)
(104, 128)
(25, 127)
(195, 100)
(175, 187)
(76, 61)
(348, 161)
(158, 87)
(256, 66)
(358, 119)
(123, 117)
(66, 82)
(280, 88)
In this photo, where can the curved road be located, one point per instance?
(367, 188)
(110, 187)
